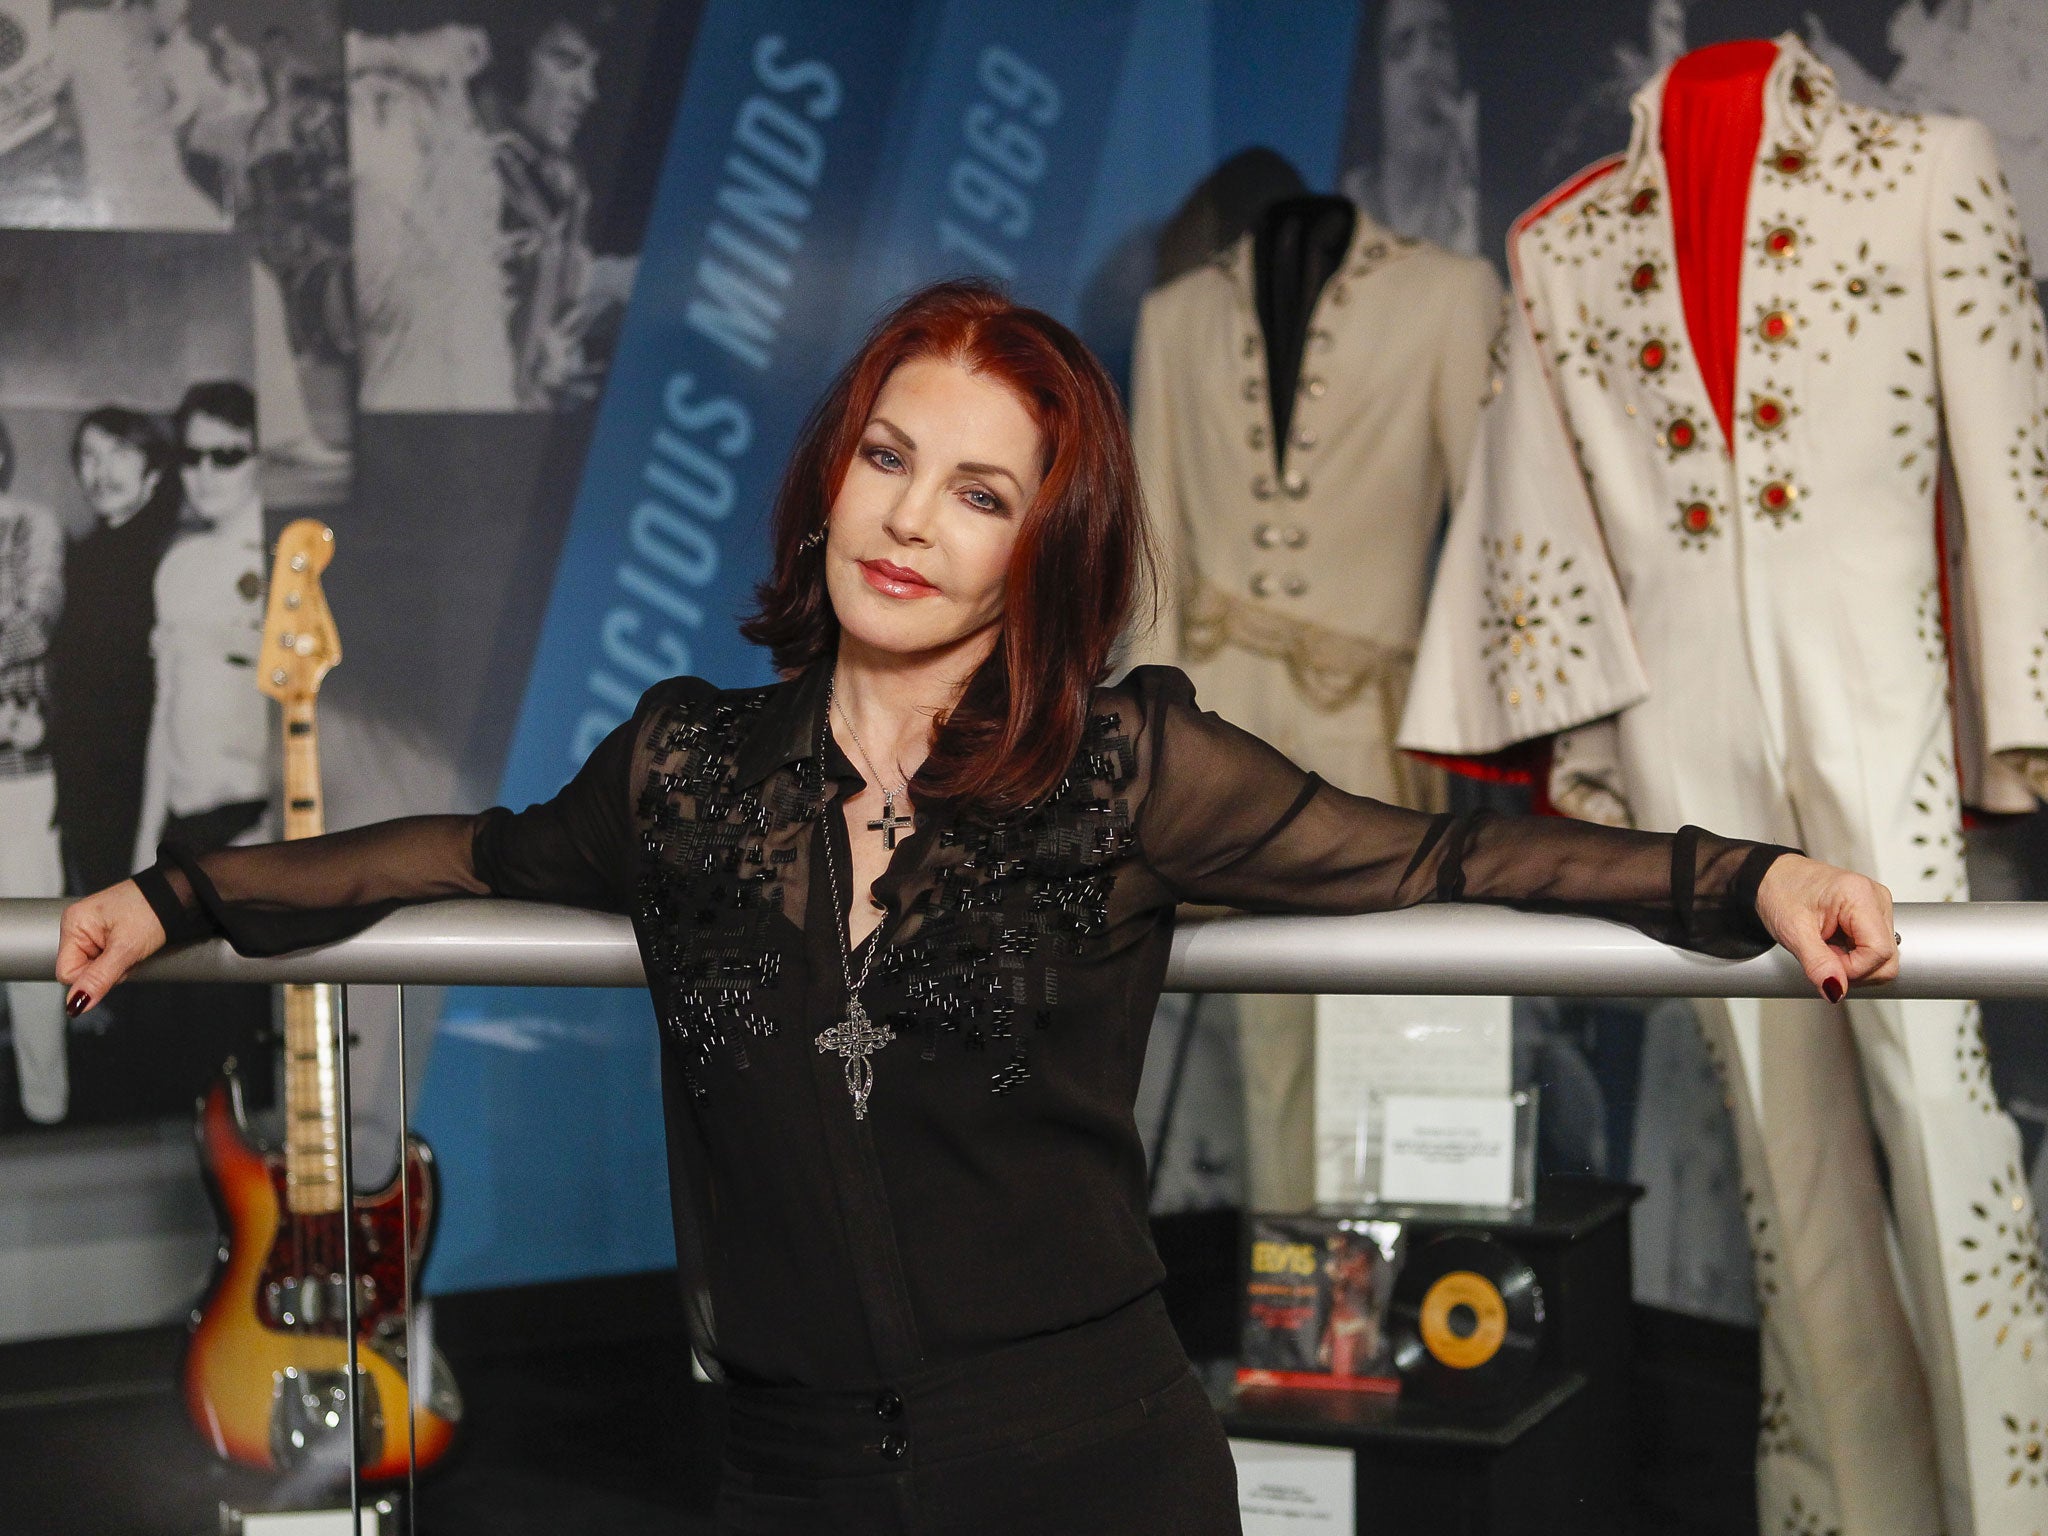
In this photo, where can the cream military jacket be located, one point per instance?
(1316, 558)
(1764, 619)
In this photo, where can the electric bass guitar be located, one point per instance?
(266, 1364)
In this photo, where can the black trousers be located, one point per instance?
(1104, 1428)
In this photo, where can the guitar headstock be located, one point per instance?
(300, 642)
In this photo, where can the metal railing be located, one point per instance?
(1965, 949)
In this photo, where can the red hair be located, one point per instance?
(1081, 559)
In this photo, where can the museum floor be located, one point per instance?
(582, 1418)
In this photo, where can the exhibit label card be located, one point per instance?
(1285, 1490)
(1448, 1151)
(1367, 1047)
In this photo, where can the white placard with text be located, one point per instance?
(1295, 1490)
(1447, 1151)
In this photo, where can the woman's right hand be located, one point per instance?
(101, 939)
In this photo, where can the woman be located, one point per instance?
(905, 916)
(102, 684)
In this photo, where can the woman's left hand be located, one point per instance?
(1838, 925)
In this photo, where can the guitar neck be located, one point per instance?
(312, 1163)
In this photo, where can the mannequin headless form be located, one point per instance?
(1298, 246)
(1846, 1393)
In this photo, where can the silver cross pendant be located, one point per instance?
(855, 1039)
(889, 821)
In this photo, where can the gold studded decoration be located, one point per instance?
(1918, 431)
(2026, 1451)
(1802, 1519)
(1858, 287)
(1581, 229)
(1989, 279)
(1781, 240)
(1938, 834)
(1776, 495)
(1777, 325)
(1699, 519)
(2001, 1265)
(1587, 346)
(1973, 1060)
(2028, 466)
(1535, 613)
(1880, 149)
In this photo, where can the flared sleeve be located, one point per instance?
(575, 849)
(1226, 820)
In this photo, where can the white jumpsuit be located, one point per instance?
(1296, 584)
(1753, 636)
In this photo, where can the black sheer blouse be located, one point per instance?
(996, 1188)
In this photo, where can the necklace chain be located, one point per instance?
(856, 1038)
(888, 823)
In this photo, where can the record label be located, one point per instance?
(1463, 1320)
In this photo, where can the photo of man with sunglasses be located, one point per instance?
(210, 770)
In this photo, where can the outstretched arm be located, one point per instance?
(576, 849)
(1229, 821)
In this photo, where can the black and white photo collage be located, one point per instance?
(260, 260)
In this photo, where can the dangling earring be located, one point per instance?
(810, 541)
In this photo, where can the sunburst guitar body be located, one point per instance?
(266, 1368)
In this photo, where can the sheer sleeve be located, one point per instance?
(1229, 821)
(576, 849)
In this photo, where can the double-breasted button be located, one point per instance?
(1295, 484)
(1775, 326)
(894, 1446)
(1305, 438)
(1256, 437)
(1781, 240)
(1251, 389)
(1319, 337)
(1766, 412)
(1251, 346)
(1262, 487)
(1261, 584)
(1294, 536)
(1314, 387)
(888, 1406)
(1294, 586)
(1265, 536)
(1682, 435)
(1339, 292)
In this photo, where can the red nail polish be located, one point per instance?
(77, 1003)
(1832, 990)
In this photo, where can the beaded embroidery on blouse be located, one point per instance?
(999, 903)
(1008, 898)
(709, 888)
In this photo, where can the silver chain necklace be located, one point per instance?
(889, 820)
(857, 1037)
